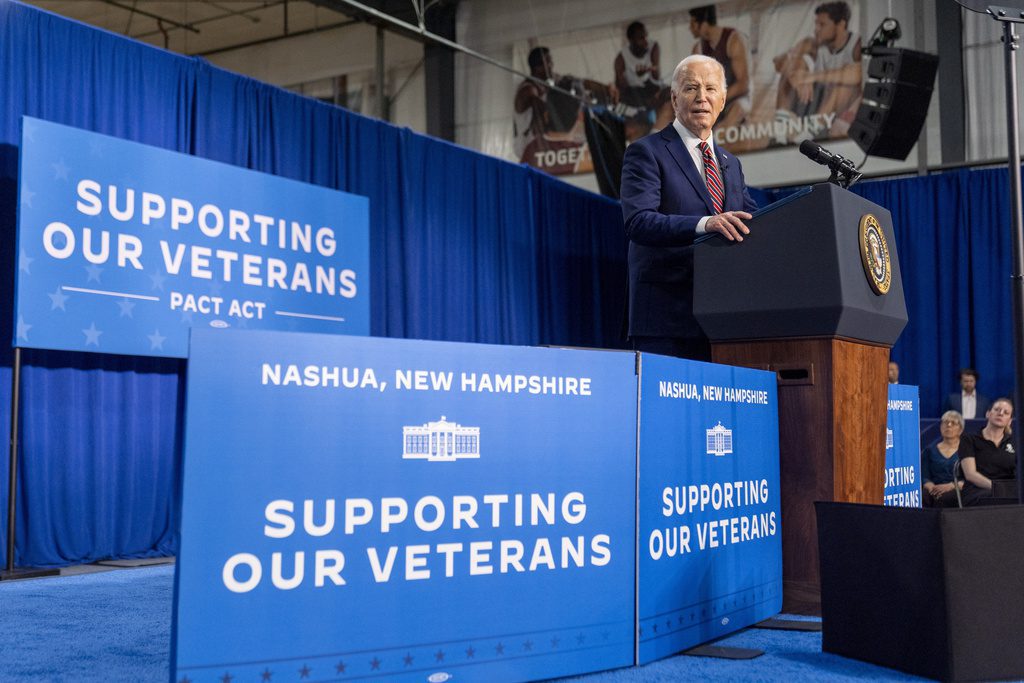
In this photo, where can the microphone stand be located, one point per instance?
(843, 176)
(1009, 16)
(843, 172)
(956, 484)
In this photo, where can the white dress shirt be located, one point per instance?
(969, 404)
(690, 142)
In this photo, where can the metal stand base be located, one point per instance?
(789, 625)
(26, 573)
(722, 652)
(131, 564)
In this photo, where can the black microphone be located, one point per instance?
(838, 164)
(819, 155)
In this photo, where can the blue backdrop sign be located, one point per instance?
(358, 507)
(710, 536)
(903, 448)
(122, 247)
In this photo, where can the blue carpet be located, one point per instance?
(111, 626)
(115, 626)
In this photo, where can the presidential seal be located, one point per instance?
(874, 254)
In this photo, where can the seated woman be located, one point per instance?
(988, 455)
(937, 462)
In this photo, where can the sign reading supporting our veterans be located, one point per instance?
(903, 448)
(401, 510)
(123, 247)
(710, 534)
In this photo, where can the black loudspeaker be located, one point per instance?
(563, 110)
(895, 104)
(933, 592)
(606, 138)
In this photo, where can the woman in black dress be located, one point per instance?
(988, 455)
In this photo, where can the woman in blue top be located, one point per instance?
(938, 460)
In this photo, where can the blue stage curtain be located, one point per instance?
(98, 470)
(953, 238)
(568, 282)
(953, 241)
(463, 247)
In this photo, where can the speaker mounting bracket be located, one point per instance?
(1004, 13)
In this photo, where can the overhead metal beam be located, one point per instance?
(233, 12)
(274, 39)
(157, 17)
(418, 8)
(439, 72)
(374, 16)
(408, 79)
(382, 98)
(217, 17)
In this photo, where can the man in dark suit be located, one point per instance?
(969, 402)
(677, 185)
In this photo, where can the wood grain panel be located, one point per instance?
(832, 414)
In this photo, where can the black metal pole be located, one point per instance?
(1010, 46)
(10, 572)
(12, 473)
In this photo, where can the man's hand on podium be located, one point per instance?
(729, 224)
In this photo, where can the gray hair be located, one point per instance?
(953, 415)
(684, 66)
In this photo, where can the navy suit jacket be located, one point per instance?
(955, 402)
(663, 198)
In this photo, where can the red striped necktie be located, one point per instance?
(711, 177)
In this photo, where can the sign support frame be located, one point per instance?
(10, 572)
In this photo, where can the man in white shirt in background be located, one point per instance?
(968, 401)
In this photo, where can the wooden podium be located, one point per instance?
(814, 294)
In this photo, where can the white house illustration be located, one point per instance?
(888, 439)
(440, 441)
(719, 440)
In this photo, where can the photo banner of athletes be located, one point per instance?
(794, 72)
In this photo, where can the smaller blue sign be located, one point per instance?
(710, 509)
(123, 247)
(903, 448)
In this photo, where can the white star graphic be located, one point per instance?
(57, 300)
(60, 170)
(93, 271)
(23, 328)
(126, 308)
(186, 317)
(156, 340)
(96, 148)
(24, 261)
(92, 335)
(158, 280)
(27, 195)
